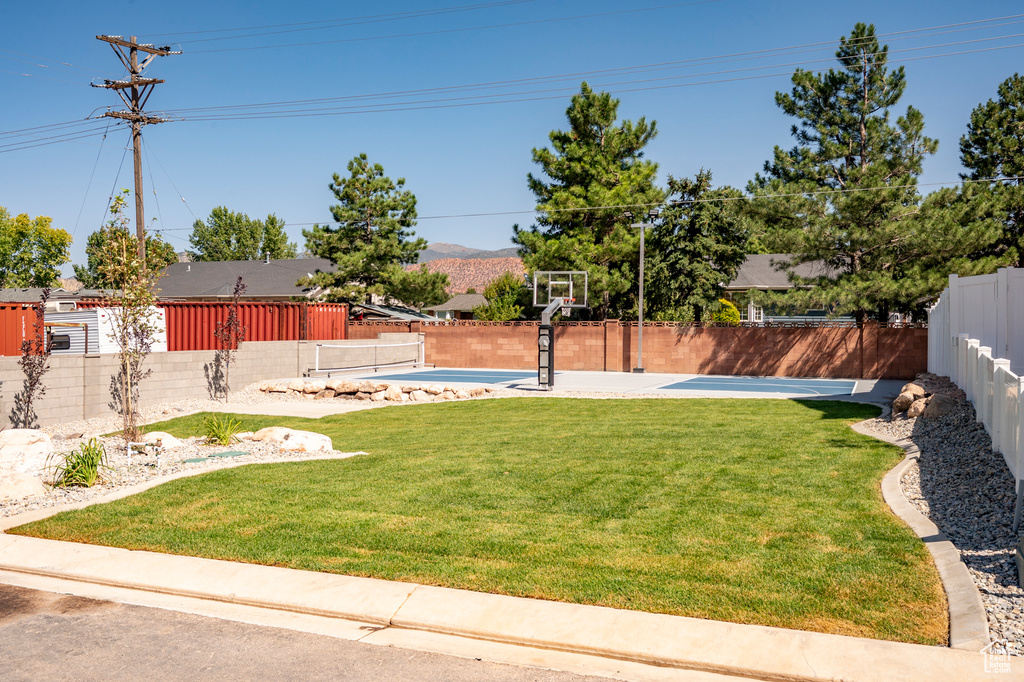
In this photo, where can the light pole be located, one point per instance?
(651, 216)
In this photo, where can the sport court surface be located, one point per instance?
(679, 384)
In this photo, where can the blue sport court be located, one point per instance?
(767, 385)
(469, 376)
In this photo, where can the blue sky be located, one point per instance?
(457, 159)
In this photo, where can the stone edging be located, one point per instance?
(968, 622)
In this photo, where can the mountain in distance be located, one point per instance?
(439, 250)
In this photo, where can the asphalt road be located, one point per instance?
(48, 636)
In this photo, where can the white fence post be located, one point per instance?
(1000, 411)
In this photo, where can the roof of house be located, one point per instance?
(33, 294)
(262, 279)
(394, 312)
(460, 303)
(476, 273)
(764, 271)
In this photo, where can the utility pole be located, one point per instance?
(139, 90)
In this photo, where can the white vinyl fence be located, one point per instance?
(976, 338)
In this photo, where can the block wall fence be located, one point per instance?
(868, 352)
(79, 387)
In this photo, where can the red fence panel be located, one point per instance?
(326, 321)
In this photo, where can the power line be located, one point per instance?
(418, 34)
(753, 197)
(89, 185)
(455, 102)
(362, 19)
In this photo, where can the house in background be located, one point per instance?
(387, 313)
(265, 280)
(765, 272)
(459, 307)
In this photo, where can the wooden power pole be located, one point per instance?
(134, 92)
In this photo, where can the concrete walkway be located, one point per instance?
(403, 614)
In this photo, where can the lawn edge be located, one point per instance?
(968, 622)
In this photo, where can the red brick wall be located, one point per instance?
(869, 352)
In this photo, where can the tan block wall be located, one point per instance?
(869, 352)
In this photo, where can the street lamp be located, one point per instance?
(652, 215)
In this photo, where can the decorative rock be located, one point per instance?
(15, 486)
(377, 397)
(297, 385)
(477, 392)
(342, 386)
(434, 389)
(917, 408)
(292, 440)
(420, 396)
(405, 397)
(362, 395)
(447, 395)
(915, 390)
(367, 387)
(278, 388)
(266, 386)
(244, 435)
(326, 393)
(165, 439)
(393, 393)
(314, 386)
(903, 402)
(462, 394)
(24, 450)
(939, 406)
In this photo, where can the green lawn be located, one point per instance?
(753, 511)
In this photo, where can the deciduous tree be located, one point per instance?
(31, 250)
(227, 235)
(159, 254)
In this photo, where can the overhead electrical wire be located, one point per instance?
(88, 186)
(511, 97)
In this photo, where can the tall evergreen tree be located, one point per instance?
(227, 235)
(695, 248)
(994, 148)
(591, 173)
(855, 173)
(372, 240)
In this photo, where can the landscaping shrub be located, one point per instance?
(221, 431)
(81, 467)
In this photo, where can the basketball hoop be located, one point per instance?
(566, 311)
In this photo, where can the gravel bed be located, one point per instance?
(968, 492)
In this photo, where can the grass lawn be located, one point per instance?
(752, 511)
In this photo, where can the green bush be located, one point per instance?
(81, 467)
(727, 313)
(221, 431)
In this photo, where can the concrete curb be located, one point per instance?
(751, 651)
(968, 622)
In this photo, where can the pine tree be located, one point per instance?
(591, 173)
(855, 172)
(994, 148)
(695, 248)
(372, 240)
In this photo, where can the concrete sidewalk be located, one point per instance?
(398, 611)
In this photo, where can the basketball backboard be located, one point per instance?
(568, 285)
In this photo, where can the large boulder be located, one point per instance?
(165, 439)
(938, 406)
(902, 403)
(24, 450)
(915, 390)
(315, 386)
(340, 386)
(377, 397)
(393, 393)
(420, 396)
(297, 385)
(292, 440)
(17, 486)
(917, 408)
